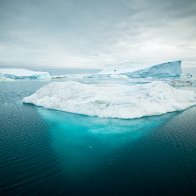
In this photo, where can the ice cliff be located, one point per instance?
(164, 70)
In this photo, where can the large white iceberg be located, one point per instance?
(164, 70)
(23, 74)
(113, 100)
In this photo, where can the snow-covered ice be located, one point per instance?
(23, 74)
(112, 100)
(163, 70)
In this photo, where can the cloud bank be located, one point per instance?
(91, 33)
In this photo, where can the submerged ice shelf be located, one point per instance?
(112, 100)
(23, 74)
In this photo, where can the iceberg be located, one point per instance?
(23, 74)
(112, 100)
(164, 70)
(4, 79)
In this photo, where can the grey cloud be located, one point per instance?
(91, 32)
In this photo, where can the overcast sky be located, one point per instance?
(92, 33)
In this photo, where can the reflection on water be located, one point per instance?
(84, 144)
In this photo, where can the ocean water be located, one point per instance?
(45, 152)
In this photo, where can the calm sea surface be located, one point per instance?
(45, 152)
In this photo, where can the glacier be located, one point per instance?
(112, 100)
(23, 74)
(163, 70)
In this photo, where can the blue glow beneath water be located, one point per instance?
(45, 152)
(84, 143)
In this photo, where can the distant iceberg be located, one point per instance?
(4, 79)
(112, 100)
(164, 70)
(23, 74)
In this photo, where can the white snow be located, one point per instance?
(112, 100)
(163, 70)
(23, 74)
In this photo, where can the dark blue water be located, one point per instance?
(45, 152)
